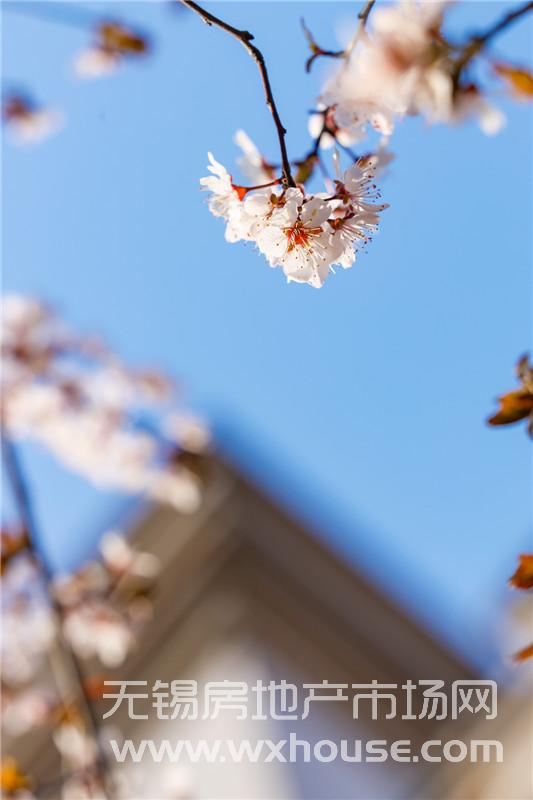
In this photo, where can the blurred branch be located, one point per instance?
(245, 38)
(25, 510)
(317, 51)
(479, 41)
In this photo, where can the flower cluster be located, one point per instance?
(404, 66)
(94, 414)
(106, 602)
(304, 234)
(101, 608)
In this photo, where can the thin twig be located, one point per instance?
(505, 21)
(245, 38)
(479, 41)
(25, 509)
(363, 19)
(365, 12)
(319, 52)
(316, 50)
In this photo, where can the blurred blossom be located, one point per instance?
(325, 118)
(28, 124)
(113, 42)
(27, 633)
(23, 710)
(92, 580)
(120, 558)
(96, 629)
(95, 63)
(77, 399)
(105, 604)
(192, 432)
(177, 784)
(404, 66)
(252, 163)
(83, 787)
(74, 743)
(28, 627)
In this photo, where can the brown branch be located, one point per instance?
(478, 42)
(245, 38)
(365, 12)
(505, 21)
(318, 52)
(24, 505)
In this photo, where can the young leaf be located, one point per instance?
(523, 577)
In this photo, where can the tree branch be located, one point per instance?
(24, 505)
(504, 22)
(478, 42)
(245, 38)
(318, 52)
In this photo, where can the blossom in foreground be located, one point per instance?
(296, 237)
(304, 234)
(403, 66)
(28, 124)
(252, 163)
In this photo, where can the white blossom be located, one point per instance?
(74, 744)
(304, 234)
(95, 629)
(187, 430)
(25, 709)
(297, 239)
(403, 67)
(28, 124)
(224, 194)
(252, 164)
(121, 558)
(27, 632)
(325, 116)
(81, 403)
(82, 787)
(96, 62)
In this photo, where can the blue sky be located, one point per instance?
(362, 405)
